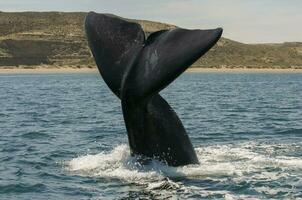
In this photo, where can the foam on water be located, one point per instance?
(248, 163)
(115, 164)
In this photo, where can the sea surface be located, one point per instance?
(62, 136)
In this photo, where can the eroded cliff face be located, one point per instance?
(57, 39)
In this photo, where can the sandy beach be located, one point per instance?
(190, 70)
(47, 70)
(242, 70)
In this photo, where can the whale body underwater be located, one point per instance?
(136, 69)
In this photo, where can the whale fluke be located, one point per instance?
(112, 41)
(137, 69)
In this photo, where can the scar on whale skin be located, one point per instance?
(136, 69)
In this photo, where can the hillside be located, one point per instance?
(56, 39)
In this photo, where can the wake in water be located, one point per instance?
(253, 168)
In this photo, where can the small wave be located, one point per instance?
(35, 135)
(21, 188)
(291, 131)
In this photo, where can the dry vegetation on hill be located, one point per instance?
(56, 39)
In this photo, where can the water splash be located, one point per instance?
(251, 166)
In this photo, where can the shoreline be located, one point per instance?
(48, 70)
(242, 70)
(190, 70)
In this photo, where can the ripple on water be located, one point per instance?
(22, 188)
(47, 119)
(38, 135)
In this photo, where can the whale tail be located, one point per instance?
(136, 69)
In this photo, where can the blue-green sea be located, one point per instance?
(62, 136)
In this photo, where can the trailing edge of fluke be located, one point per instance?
(136, 69)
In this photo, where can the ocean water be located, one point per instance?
(62, 136)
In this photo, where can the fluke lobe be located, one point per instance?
(137, 69)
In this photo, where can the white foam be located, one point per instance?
(235, 163)
(115, 164)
